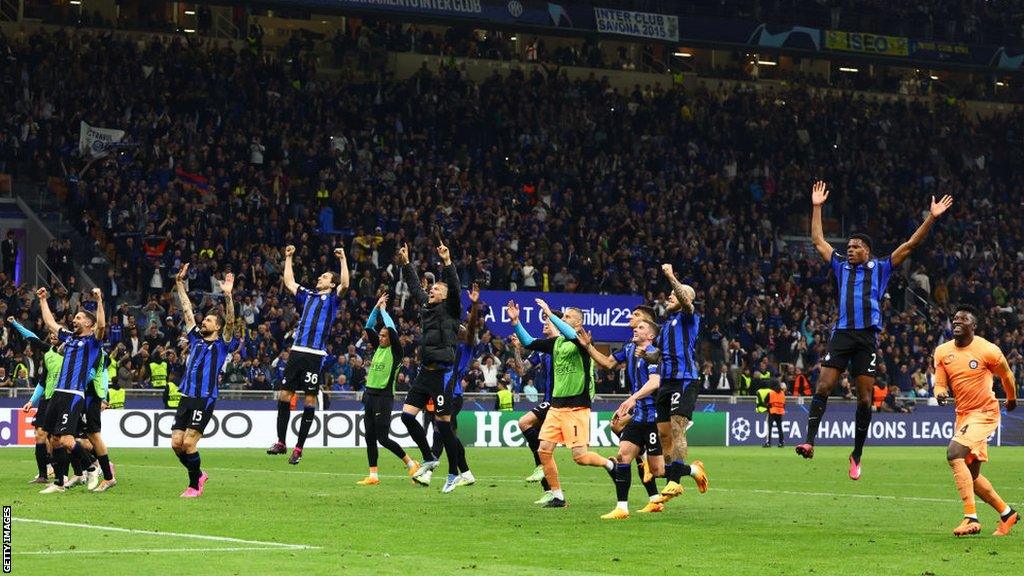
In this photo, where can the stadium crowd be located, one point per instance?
(539, 183)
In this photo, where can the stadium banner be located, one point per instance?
(96, 141)
(867, 43)
(926, 426)
(606, 317)
(488, 429)
(532, 13)
(641, 24)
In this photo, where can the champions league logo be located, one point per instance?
(740, 429)
(515, 8)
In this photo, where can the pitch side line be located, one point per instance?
(152, 550)
(178, 534)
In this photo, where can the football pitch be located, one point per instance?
(767, 512)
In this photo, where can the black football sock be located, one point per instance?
(108, 473)
(818, 405)
(192, 462)
(60, 465)
(451, 445)
(532, 436)
(307, 421)
(283, 411)
(41, 458)
(418, 435)
(860, 432)
(623, 478)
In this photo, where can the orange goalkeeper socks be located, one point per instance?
(964, 485)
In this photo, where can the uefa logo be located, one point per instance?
(515, 8)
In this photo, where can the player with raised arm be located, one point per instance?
(676, 388)
(861, 281)
(46, 382)
(531, 422)
(439, 320)
(379, 396)
(210, 344)
(965, 366)
(640, 434)
(309, 347)
(568, 418)
(82, 351)
(449, 403)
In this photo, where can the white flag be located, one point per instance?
(95, 141)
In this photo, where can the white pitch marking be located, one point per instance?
(178, 534)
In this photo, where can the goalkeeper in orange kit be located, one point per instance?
(966, 364)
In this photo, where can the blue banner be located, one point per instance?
(925, 426)
(606, 317)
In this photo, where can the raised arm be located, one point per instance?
(411, 279)
(186, 304)
(563, 328)
(229, 306)
(101, 316)
(33, 340)
(517, 356)
(683, 292)
(343, 285)
(606, 362)
(451, 278)
(513, 319)
(473, 323)
(937, 209)
(289, 272)
(44, 310)
(819, 194)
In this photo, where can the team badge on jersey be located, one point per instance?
(973, 364)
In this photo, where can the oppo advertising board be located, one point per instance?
(714, 425)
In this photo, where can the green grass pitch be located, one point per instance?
(767, 512)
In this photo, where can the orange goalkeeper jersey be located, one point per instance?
(969, 370)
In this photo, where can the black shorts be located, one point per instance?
(40, 418)
(91, 422)
(644, 435)
(856, 349)
(302, 372)
(447, 404)
(676, 398)
(375, 404)
(193, 413)
(62, 413)
(541, 411)
(428, 384)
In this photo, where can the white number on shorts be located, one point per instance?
(311, 377)
(874, 358)
(654, 438)
(439, 400)
(64, 420)
(85, 419)
(197, 416)
(675, 397)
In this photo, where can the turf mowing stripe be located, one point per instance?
(513, 479)
(155, 533)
